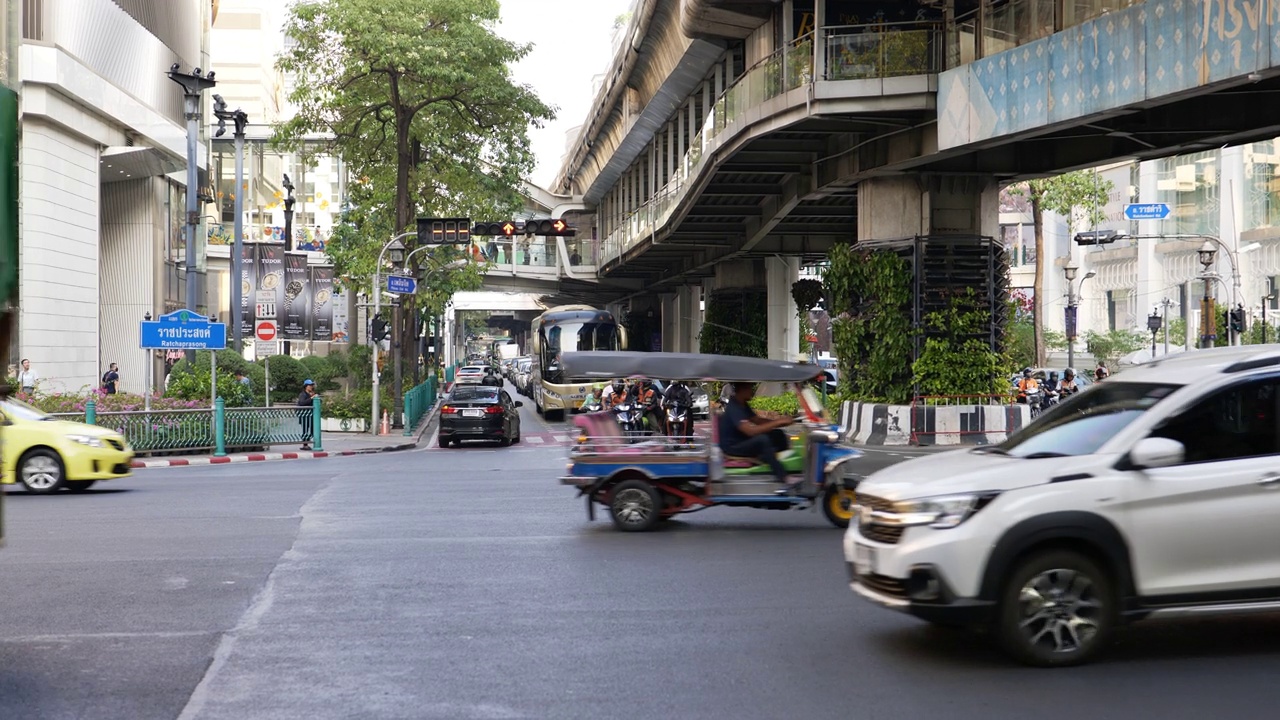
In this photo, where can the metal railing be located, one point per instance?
(203, 430)
(880, 50)
(418, 402)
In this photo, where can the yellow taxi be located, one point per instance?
(46, 454)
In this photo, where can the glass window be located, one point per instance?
(475, 393)
(1190, 185)
(1238, 422)
(1009, 23)
(1075, 12)
(1085, 422)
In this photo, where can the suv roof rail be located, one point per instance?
(1253, 363)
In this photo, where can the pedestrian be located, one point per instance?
(28, 379)
(492, 250)
(525, 244)
(110, 378)
(306, 400)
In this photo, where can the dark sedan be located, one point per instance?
(479, 412)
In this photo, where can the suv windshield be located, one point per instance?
(1082, 424)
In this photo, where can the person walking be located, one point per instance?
(306, 400)
(110, 378)
(28, 379)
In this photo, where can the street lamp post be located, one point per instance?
(396, 248)
(1154, 322)
(1165, 305)
(240, 119)
(289, 200)
(1266, 299)
(1208, 317)
(1073, 302)
(193, 86)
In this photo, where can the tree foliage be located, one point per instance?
(1078, 196)
(417, 98)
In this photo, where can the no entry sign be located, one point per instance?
(265, 330)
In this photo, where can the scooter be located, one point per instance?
(1034, 399)
(630, 419)
(592, 406)
(679, 424)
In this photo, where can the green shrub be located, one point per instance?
(187, 382)
(785, 404)
(353, 406)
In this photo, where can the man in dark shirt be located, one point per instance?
(743, 433)
(110, 378)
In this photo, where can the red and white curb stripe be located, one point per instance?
(254, 457)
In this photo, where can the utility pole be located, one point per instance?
(193, 86)
(289, 200)
(1166, 303)
(240, 119)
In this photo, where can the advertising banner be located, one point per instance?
(297, 298)
(341, 320)
(248, 286)
(322, 301)
(271, 273)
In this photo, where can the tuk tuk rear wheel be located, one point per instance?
(837, 505)
(635, 506)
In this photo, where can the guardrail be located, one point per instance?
(852, 52)
(417, 402)
(217, 429)
(948, 419)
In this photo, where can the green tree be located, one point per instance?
(418, 100)
(1079, 197)
(1112, 345)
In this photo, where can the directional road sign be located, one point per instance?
(183, 330)
(265, 330)
(265, 304)
(1146, 211)
(402, 285)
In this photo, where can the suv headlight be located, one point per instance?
(88, 440)
(943, 512)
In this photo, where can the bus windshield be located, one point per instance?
(575, 337)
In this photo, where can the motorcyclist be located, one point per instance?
(1025, 384)
(1101, 372)
(679, 394)
(646, 398)
(1068, 385)
(595, 396)
(614, 394)
(1052, 387)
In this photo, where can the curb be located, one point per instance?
(417, 437)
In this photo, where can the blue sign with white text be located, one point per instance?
(183, 330)
(1146, 211)
(401, 285)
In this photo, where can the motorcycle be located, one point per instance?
(1034, 399)
(630, 419)
(679, 422)
(591, 406)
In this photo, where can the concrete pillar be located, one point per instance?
(783, 322)
(1150, 288)
(1231, 162)
(687, 300)
(700, 300)
(891, 208)
(670, 322)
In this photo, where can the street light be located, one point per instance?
(394, 250)
(193, 85)
(1208, 254)
(1070, 272)
(1266, 300)
(1154, 321)
(240, 120)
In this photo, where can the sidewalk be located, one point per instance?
(335, 445)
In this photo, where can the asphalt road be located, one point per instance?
(466, 583)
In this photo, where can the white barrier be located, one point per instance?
(882, 424)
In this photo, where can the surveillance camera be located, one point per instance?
(196, 72)
(209, 76)
(174, 68)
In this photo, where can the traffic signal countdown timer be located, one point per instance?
(512, 228)
(444, 231)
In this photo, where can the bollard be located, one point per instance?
(410, 406)
(220, 427)
(91, 413)
(315, 423)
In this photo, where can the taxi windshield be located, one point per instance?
(1084, 423)
(22, 411)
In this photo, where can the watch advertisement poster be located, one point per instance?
(322, 301)
(248, 286)
(297, 298)
(270, 273)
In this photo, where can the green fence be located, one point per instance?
(418, 402)
(219, 429)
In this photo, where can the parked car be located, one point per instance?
(46, 454)
(479, 412)
(469, 375)
(523, 369)
(1153, 494)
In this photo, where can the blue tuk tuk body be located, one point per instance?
(644, 483)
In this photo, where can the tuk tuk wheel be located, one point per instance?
(837, 505)
(636, 506)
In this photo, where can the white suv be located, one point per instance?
(1156, 492)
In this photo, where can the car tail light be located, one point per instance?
(448, 410)
(493, 409)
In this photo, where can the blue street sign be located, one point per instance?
(183, 330)
(401, 285)
(1146, 211)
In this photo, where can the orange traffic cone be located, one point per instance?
(386, 424)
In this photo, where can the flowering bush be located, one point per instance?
(120, 402)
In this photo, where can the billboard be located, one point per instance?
(322, 302)
(297, 298)
(248, 287)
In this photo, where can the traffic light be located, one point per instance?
(444, 231)
(1237, 319)
(503, 228)
(550, 228)
(379, 329)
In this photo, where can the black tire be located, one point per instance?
(1062, 586)
(79, 486)
(635, 506)
(516, 440)
(41, 472)
(506, 441)
(554, 415)
(837, 504)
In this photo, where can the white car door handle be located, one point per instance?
(1269, 480)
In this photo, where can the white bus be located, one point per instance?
(568, 328)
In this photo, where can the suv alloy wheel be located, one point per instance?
(1057, 609)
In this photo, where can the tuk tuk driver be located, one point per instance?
(743, 433)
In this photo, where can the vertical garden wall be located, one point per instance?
(736, 323)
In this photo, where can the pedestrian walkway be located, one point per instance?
(335, 445)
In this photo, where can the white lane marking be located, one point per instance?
(561, 438)
(534, 439)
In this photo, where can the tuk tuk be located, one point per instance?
(644, 483)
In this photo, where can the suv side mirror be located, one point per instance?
(519, 404)
(1154, 452)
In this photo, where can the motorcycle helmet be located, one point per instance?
(1026, 372)
(1053, 376)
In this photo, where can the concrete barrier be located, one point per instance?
(883, 424)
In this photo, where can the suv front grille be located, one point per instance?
(884, 585)
(887, 534)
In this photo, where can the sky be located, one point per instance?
(572, 43)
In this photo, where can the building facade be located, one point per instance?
(102, 157)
